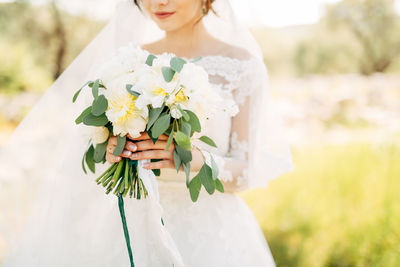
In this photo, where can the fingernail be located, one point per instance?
(127, 153)
(132, 147)
(134, 155)
(118, 158)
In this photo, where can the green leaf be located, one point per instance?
(161, 125)
(83, 163)
(186, 167)
(100, 152)
(196, 59)
(154, 140)
(177, 64)
(95, 88)
(100, 105)
(184, 113)
(214, 168)
(154, 113)
(168, 73)
(207, 140)
(129, 87)
(185, 155)
(206, 179)
(194, 121)
(87, 111)
(79, 91)
(121, 141)
(186, 128)
(177, 161)
(219, 186)
(89, 159)
(194, 188)
(169, 142)
(92, 120)
(183, 140)
(150, 59)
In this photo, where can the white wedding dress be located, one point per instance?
(70, 221)
(218, 230)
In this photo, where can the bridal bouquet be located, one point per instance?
(137, 92)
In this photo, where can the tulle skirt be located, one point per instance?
(81, 226)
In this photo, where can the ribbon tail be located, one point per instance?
(124, 225)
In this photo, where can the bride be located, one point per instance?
(52, 214)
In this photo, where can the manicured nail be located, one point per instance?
(118, 158)
(127, 153)
(134, 155)
(132, 147)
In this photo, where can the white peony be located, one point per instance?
(152, 87)
(96, 134)
(126, 60)
(122, 111)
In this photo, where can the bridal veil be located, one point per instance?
(45, 149)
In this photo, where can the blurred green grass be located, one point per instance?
(341, 207)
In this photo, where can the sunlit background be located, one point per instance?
(334, 68)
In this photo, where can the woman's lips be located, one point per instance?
(163, 15)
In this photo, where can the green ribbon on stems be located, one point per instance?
(122, 177)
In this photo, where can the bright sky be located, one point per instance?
(274, 13)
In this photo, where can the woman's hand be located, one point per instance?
(143, 147)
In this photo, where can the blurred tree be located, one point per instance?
(39, 39)
(375, 25)
(61, 38)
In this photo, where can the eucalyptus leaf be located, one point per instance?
(121, 141)
(194, 188)
(186, 128)
(169, 142)
(206, 179)
(89, 159)
(196, 59)
(100, 152)
(194, 121)
(177, 64)
(87, 111)
(79, 91)
(154, 140)
(168, 73)
(183, 140)
(207, 140)
(129, 89)
(100, 105)
(185, 155)
(177, 161)
(214, 168)
(219, 186)
(95, 88)
(150, 59)
(184, 113)
(83, 163)
(92, 120)
(186, 167)
(161, 125)
(154, 113)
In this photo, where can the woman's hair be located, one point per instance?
(207, 6)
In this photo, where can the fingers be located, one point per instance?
(148, 145)
(112, 159)
(159, 165)
(146, 136)
(152, 154)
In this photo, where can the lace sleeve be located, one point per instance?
(258, 150)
